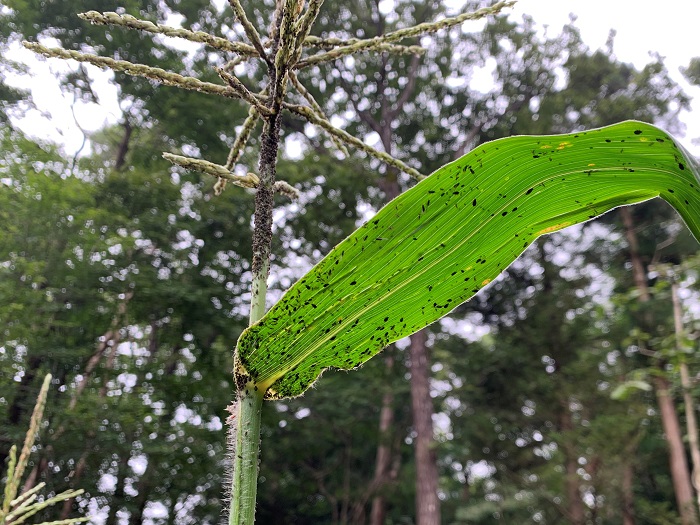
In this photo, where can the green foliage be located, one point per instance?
(125, 238)
(626, 389)
(439, 243)
(320, 484)
(17, 508)
(178, 113)
(188, 300)
(692, 72)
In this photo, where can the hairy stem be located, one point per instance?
(249, 406)
(248, 413)
(245, 462)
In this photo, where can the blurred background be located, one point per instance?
(563, 393)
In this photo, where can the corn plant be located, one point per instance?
(425, 252)
(18, 508)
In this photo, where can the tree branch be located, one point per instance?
(467, 140)
(407, 90)
(514, 106)
(123, 147)
(364, 115)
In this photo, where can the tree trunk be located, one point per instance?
(21, 402)
(678, 462)
(390, 186)
(627, 494)
(118, 497)
(427, 501)
(345, 503)
(39, 469)
(108, 345)
(141, 500)
(669, 417)
(692, 425)
(552, 345)
(383, 459)
(639, 274)
(572, 482)
(75, 478)
(691, 421)
(575, 511)
(123, 147)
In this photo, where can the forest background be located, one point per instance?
(554, 396)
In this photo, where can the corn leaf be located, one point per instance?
(439, 243)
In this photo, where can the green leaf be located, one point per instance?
(624, 390)
(439, 243)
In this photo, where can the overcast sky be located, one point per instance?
(668, 28)
(642, 26)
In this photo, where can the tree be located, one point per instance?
(630, 89)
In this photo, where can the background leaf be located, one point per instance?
(438, 244)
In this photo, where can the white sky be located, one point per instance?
(668, 28)
(642, 27)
